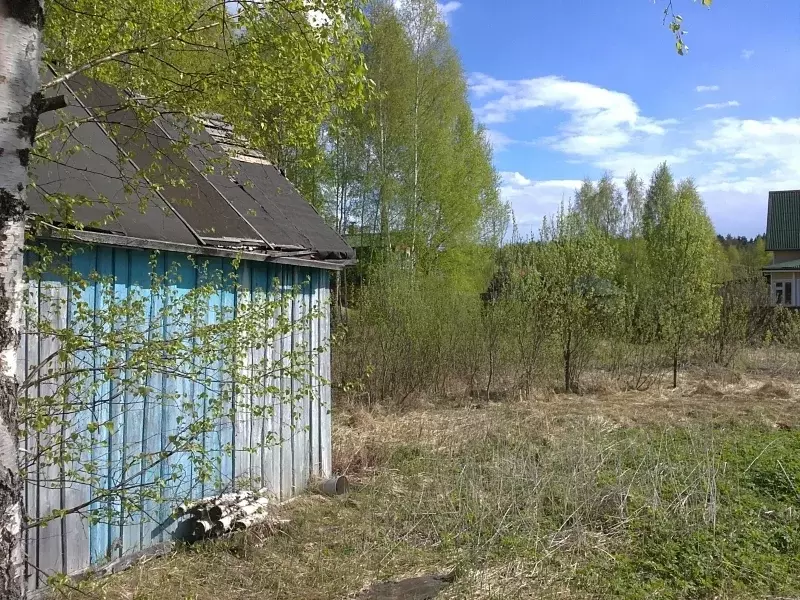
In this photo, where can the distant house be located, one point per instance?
(783, 240)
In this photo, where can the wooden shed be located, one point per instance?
(242, 219)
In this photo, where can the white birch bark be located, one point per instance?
(20, 42)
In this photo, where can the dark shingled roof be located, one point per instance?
(247, 204)
(783, 221)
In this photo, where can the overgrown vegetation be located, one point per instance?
(633, 284)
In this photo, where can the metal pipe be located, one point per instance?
(335, 486)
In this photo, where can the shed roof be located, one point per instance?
(242, 204)
(783, 220)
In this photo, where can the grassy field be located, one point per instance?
(686, 493)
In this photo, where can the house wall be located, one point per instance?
(780, 256)
(71, 544)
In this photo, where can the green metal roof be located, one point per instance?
(783, 221)
(789, 265)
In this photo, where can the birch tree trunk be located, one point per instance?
(21, 24)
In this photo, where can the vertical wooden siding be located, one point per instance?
(71, 544)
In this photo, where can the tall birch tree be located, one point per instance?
(660, 195)
(634, 204)
(21, 23)
(683, 252)
(576, 263)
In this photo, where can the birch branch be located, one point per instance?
(96, 62)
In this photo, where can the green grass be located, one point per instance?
(726, 521)
(521, 508)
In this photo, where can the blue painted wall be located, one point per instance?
(71, 544)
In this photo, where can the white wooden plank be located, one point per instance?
(189, 487)
(212, 440)
(133, 430)
(273, 460)
(26, 367)
(152, 531)
(301, 408)
(227, 424)
(314, 403)
(259, 427)
(181, 279)
(100, 531)
(116, 473)
(243, 398)
(52, 311)
(76, 529)
(287, 420)
(325, 374)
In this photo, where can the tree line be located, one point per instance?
(629, 280)
(410, 169)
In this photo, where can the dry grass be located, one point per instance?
(532, 498)
(366, 437)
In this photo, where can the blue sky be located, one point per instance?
(569, 89)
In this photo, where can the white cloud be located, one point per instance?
(734, 161)
(754, 184)
(533, 200)
(718, 105)
(499, 140)
(622, 163)
(742, 160)
(748, 54)
(776, 141)
(448, 8)
(752, 156)
(515, 179)
(707, 88)
(603, 128)
(483, 85)
(600, 120)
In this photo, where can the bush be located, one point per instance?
(414, 334)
